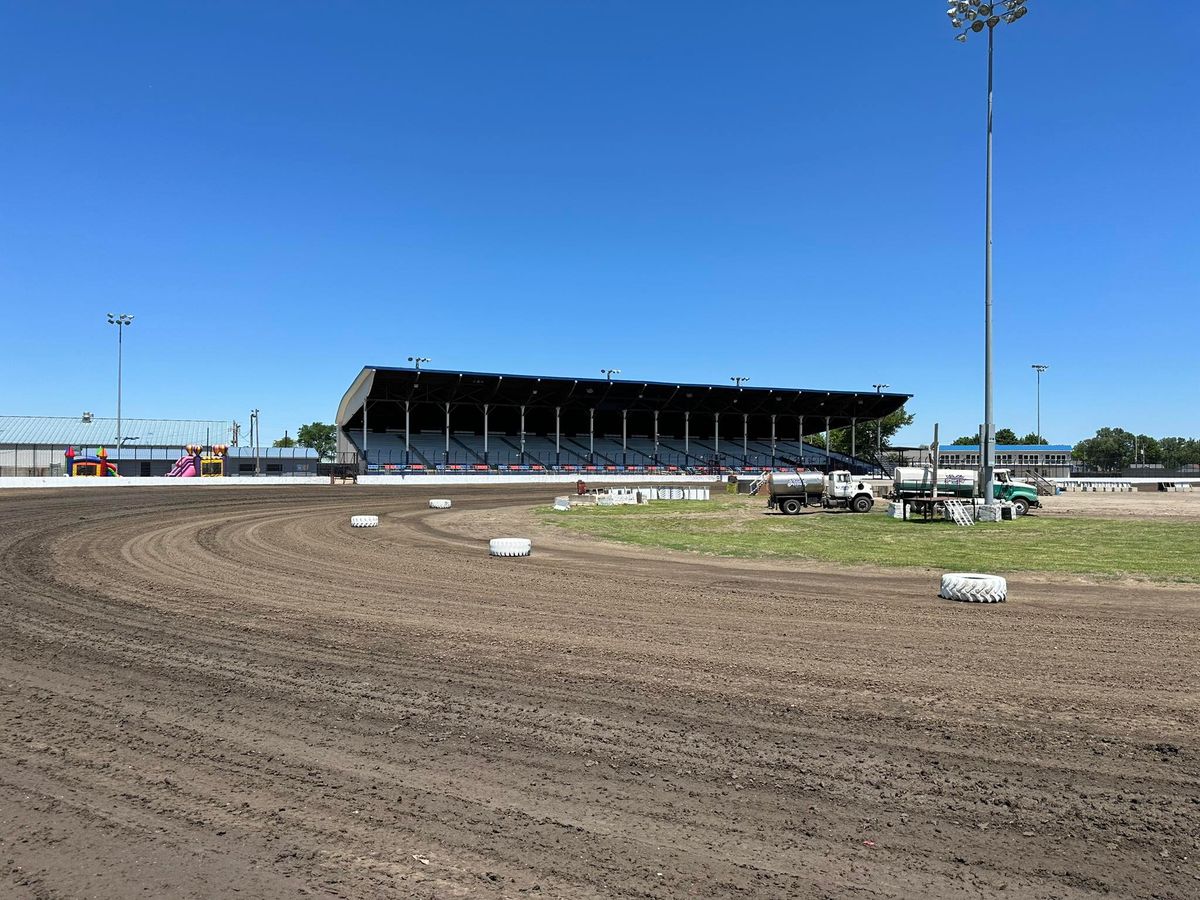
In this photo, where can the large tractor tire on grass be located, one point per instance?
(439, 504)
(364, 521)
(974, 588)
(510, 546)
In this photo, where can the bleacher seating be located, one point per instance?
(428, 449)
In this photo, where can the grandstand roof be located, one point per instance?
(75, 431)
(386, 383)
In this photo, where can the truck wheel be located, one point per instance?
(1020, 506)
(790, 507)
(862, 504)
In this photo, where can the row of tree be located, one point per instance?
(1116, 448)
(316, 435)
(1113, 448)
(866, 437)
(1003, 436)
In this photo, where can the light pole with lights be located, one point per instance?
(968, 16)
(739, 380)
(1039, 368)
(609, 373)
(417, 360)
(121, 320)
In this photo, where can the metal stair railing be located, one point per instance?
(959, 512)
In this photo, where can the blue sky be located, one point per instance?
(284, 192)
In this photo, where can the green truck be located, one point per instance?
(914, 481)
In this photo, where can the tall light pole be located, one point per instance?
(879, 428)
(739, 380)
(417, 360)
(609, 373)
(1039, 368)
(121, 320)
(967, 16)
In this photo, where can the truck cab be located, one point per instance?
(843, 489)
(1019, 493)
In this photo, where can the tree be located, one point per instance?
(1032, 439)
(1109, 448)
(865, 434)
(318, 436)
(967, 440)
(284, 441)
(1006, 436)
(1176, 452)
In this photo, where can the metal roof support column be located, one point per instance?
(802, 440)
(624, 434)
(772, 440)
(717, 439)
(828, 461)
(853, 437)
(485, 431)
(592, 436)
(745, 437)
(407, 436)
(447, 460)
(364, 446)
(558, 435)
(656, 437)
(686, 416)
(521, 460)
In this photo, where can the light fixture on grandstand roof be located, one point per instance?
(739, 380)
(417, 360)
(609, 373)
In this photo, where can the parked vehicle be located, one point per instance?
(790, 492)
(913, 481)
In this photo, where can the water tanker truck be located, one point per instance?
(790, 492)
(914, 481)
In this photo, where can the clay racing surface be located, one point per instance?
(217, 693)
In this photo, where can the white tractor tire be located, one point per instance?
(510, 546)
(364, 521)
(970, 587)
(439, 504)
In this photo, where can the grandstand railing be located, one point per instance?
(463, 462)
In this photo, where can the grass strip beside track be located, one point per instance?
(741, 527)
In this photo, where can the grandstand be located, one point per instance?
(406, 420)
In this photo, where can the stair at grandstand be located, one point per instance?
(1044, 487)
(674, 451)
(540, 450)
(580, 448)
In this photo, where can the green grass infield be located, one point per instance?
(741, 527)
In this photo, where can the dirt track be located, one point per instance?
(232, 693)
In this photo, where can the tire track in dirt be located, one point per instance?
(405, 717)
